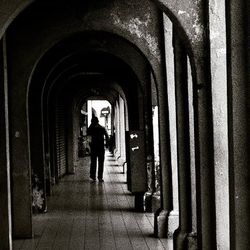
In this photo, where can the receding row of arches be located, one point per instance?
(157, 64)
(64, 89)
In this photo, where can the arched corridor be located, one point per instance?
(175, 75)
(87, 215)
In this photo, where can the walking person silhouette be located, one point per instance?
(97, 133)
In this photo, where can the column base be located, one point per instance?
(183, 240)
(117, 155)
(148, 202)
(139, 204)
(121, 160)
(192, 241)
(161, 223)
(156, 202)
(173, 223)
(180, 239)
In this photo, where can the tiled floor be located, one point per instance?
(85, 215)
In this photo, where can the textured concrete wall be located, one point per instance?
(168, 31)
(217, 24)
(189, 17)
(238, 85)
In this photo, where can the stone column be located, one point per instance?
(155, 171)
(117, 130)
(122, 158)
(239, 157)
(46, 148)
(70, 138)
(149, 144)
(37, 145)
(168, 34)
(76, 122)
(161, 216)
(5, 197)
(19, 151)
(51, 140)
(218, 64)
(204, 154)
(183, 146)
(112, 118)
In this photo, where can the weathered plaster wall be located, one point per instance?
(134, 17)
(137, 22)
(218, 64)
(239, 159)
(189, 16)
(188, 13)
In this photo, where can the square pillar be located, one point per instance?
(5, 203)
(21, 196)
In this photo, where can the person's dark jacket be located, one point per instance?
(97, 133)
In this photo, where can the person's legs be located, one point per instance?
(93, 165)
(100, 165)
